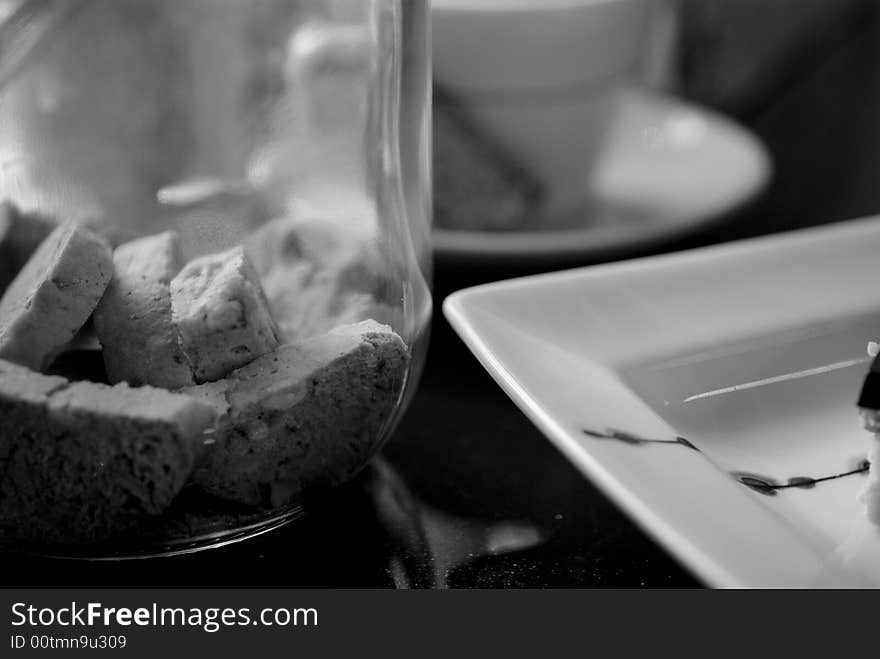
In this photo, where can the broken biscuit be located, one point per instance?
(134, 321)
(221, 314)
(82, 462)
(53, 295)
(310, 414)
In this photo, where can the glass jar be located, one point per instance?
(216, 261)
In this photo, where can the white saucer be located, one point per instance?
(671, 169)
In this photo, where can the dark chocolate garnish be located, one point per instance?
(869, 398)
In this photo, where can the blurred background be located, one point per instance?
(804, 76)
(800, 75)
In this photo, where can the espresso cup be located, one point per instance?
(542, 78)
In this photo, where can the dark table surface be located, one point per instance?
(469, 493)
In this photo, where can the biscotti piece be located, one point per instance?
(84, 462)
(347, 246)
(29, 230)
(20, 235)
(23, 396)
(221, 314)
(309, 415)
(320, 273)
(53, 295)
(133, 320)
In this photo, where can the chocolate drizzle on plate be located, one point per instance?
(762, 484)
(770, 486)
(635, 440)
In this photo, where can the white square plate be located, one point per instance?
(710, 393)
